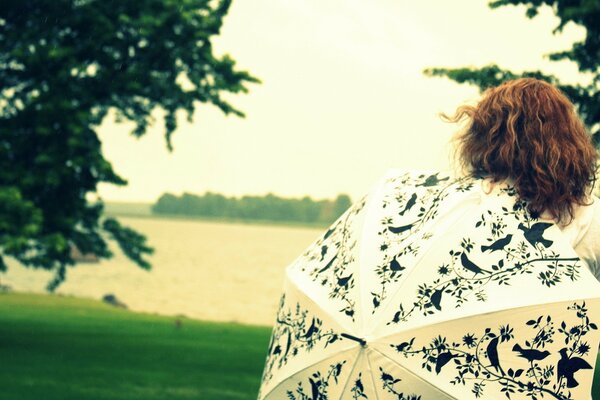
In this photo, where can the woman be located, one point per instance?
(434, 287)
(527, 132)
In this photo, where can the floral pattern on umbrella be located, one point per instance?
(517, 241)
(410, 201)
(352, 325)
(477, 358)
(328, 261)
(389, 381)
(296, 332)
(318, 384)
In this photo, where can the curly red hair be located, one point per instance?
(528, 131)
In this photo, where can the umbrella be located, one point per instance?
(431, 288)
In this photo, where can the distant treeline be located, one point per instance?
(268, 207)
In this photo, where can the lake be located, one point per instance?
(205, 270)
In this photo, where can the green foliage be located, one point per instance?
(268, 207)
(63, 65)
(586, 54)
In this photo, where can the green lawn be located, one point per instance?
(64, 348)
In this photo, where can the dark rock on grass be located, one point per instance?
(113, 301)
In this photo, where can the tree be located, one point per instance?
(63, 65)
(269, 207)
(586, 54)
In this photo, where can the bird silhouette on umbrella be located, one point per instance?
(568, 366)
(328, 265)
(535, 234)
(432, 180)
(324, 249)
(409, 204)
(492, 354)
(530, 354)
(436, 297)
(470, 265)
(498, 244)
(400, 229)
(443, 359)
(344, 281)
(395, 267)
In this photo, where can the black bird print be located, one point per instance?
(314, 388)
(323, 251)
(534, 235)
(471, 266)
(409, 204)
(395, 266)
(328, 265)
(567, 367)
(498, 244)
(432, 180)
(312, 329)
(443, 359)
(385, 376)
(343, 281)
(288, 344)
(492, 353)
(376, 301)
(402, 346)
(400, 229)
(530, 354)
(338, 370)
(360, 387)
(396, 318)
(329, 232)
(436, 298)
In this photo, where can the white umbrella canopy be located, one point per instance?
(429, 288)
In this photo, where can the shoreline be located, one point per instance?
(224, 220)
(101, 303)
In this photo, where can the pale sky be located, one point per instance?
(343, 96)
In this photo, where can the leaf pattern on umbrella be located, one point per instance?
(516, 253)
(358, 389)
(389, 381)
(410, 202)
(318, 384)
(295, 332)
(475, 358)
(336, 246)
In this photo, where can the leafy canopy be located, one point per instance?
(63, 65)
(586, 54)
(267, 208)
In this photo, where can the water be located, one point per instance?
(205, 270)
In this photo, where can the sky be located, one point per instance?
(343, 96)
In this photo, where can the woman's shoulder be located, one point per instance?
(587, 243)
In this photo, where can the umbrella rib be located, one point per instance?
(425, 324)
(342, 324)
(350, 376)
(415, 267)
(372, 377)
(448, 395)
(372, 200)
(305, 368)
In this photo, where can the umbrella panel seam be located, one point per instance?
(381, 316)
(422, 379)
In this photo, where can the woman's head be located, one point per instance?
(528, 131)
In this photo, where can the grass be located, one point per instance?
(54, 347)
(64, 348)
